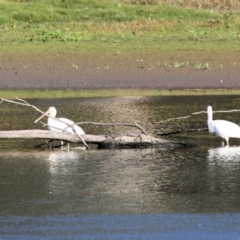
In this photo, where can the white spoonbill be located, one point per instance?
(224, 129)
(61, 124)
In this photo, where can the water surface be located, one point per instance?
(185, 193)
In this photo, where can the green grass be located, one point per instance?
(118, 27)
(111, 21)
(27, 94)
(94, 11)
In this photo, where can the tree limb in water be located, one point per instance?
(103, 141)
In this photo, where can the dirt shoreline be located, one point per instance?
(77, 72)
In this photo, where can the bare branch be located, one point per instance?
(188, 116)
(138, 126)
(23, 103)
(115, 124)
(223, 111)
(82, 140)
(196, 113)
(183, 131)
(108, 124)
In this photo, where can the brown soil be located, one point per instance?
(113, 71)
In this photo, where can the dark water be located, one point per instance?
(188, 193)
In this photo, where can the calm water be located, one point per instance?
(188, 193)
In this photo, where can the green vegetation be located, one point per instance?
(26, 94)
(118, 21)
(41, 11)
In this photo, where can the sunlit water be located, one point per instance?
(184, 193)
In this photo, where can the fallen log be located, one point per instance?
(103, 141)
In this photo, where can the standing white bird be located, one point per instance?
(60, 124)
(224, 129)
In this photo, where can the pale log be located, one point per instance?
(103, 141)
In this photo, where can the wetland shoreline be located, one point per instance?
(140, 71)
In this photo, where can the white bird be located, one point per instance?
(222, 128)
(61, 124)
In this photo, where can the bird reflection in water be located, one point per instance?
(227, 154)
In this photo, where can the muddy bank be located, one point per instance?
(75, 71)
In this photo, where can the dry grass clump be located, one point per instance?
(201, 4)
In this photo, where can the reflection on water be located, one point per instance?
(115, 182)
(224, 154)
(97, 193)
(224, 171)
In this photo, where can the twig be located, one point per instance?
(138, 126)
(183, 131)
(116, 124)
(83, 140)
(223, 111)
(23, 103)
(177, 118)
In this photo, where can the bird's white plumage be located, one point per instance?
(61, 124)
(222, 128)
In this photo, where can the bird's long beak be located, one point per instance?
(46, 113)
(39, 118)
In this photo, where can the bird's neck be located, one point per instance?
(209, 115)
(209, 119)
(209, 122)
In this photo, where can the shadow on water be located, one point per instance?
(121, 194)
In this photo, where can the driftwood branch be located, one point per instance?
(103, 141)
